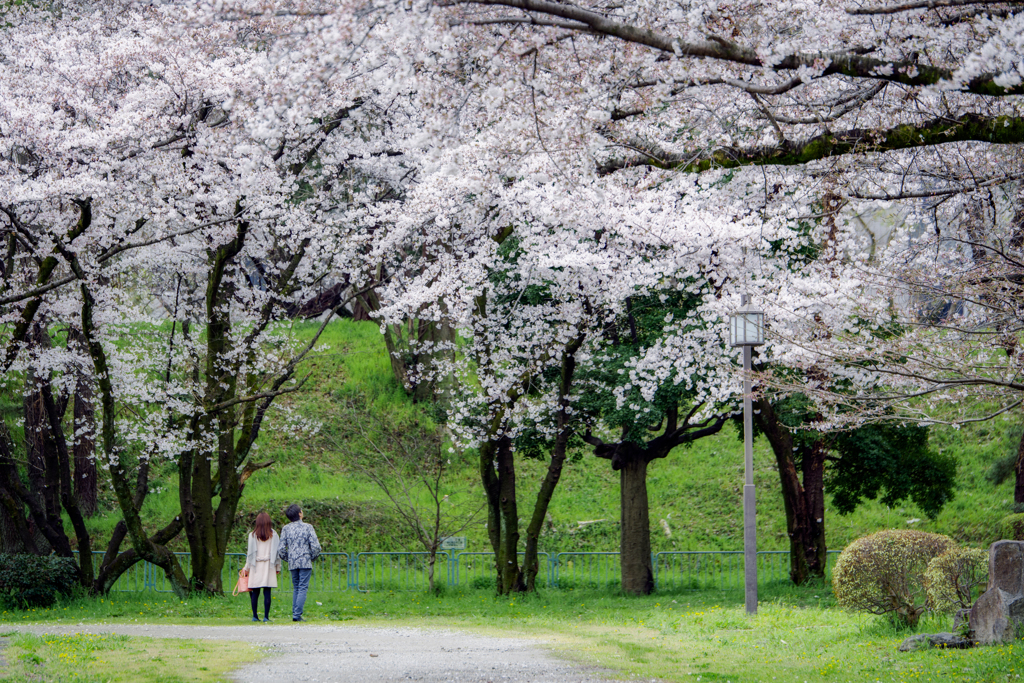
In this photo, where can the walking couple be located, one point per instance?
(297, 545)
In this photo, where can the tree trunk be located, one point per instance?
(67, 493)
(508, 558)
(23, 497)
(489, 479)
(144, 546)
(431, 564)
(15, 535)
(815, 550)
(804, 502)
(531, 561)
(44, 480)
(85, 446)
(635, 543)
(18, 535)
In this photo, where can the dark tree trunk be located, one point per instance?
(67, 493)
(1018, 470)
(804, 502)
(631, 460)
(143, 545)
(815, 550)
(498, 474)
(508, 559)
(24, 497)
(359, 311)
(86, 483)
(227, 414)
(44, 463)
(42, 479)
(531, 560)
(635, 541)
(492, 493)
(15, 534)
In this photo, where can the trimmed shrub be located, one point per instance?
(35, 580)
(884, 573)
(956, 578)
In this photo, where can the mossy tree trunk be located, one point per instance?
(531, 559)
(212, 473)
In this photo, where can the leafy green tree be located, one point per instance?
(887, 461)
(645, 428)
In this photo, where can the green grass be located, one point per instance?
(106, 657)
(798, 634)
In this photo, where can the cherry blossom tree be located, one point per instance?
(191, 169)
(863, 114)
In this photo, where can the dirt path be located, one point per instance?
(302, 652)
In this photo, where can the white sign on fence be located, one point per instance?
(453, 543)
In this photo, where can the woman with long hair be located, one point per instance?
(263, 546)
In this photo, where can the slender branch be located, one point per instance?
(767, 112)
(939, 192)
(920, 4)
(849, 63)
(256, 397)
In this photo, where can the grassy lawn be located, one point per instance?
(798, 635)
(107, 657)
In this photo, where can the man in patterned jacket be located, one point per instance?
(299, 547)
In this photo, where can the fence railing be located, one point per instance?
(403, 571)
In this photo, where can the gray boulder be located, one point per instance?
(998, 615)
(924, 641)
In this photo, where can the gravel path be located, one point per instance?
(301, 652)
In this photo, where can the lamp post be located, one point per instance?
(746, 329)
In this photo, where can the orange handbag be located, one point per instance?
(242, 586)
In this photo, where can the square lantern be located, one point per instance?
(746, 326)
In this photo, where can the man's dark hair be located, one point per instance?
(292, 513)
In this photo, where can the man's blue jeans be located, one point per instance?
(300, 585)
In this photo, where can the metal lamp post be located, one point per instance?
(746, 329)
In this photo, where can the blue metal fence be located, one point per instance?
(402, 571)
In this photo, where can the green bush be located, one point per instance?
(956, 578)
(1012, 527)
(884, 573)
(35, 580)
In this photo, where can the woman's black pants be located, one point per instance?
(254, 596)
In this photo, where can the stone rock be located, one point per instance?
(924, 641)
(960, 617)
(998, 615)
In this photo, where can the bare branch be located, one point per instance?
(849, 63)
(921, 4)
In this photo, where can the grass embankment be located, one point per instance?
(798, 634)
(695, 492)
(111, 658)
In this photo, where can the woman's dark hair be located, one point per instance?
(263, 529)
(292, 513)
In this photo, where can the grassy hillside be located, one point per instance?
(695, 493)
